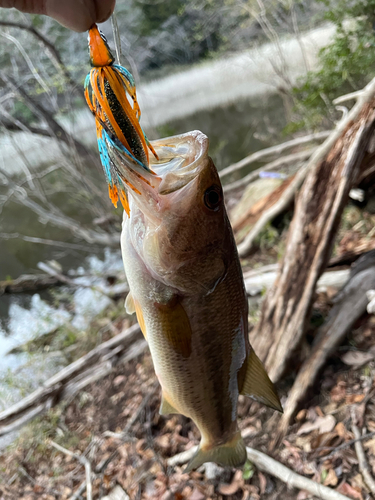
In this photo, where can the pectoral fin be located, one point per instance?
(176, 326)
(256, 383)
(166, 407)
(140, 318)
(129, 304)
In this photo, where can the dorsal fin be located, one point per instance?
(257, 385)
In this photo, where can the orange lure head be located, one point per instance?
(100, 55)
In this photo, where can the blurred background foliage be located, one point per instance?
(346, 64)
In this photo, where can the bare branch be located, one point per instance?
(83, 460)
(272, 166)
(56, 129)
(274, 151)
(51, 49)
(271, 466)
(362, 462)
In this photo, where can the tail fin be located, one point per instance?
(232, 453)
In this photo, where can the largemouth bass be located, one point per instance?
(187, 291)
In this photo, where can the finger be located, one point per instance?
(78, 15)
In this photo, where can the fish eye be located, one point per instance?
(212, 197)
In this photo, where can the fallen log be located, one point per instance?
(332, 172)
(28, 283)
(96, 364)
(350, 305)
(257, 281)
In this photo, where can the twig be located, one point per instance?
(362, 462)
(348, 97)
(272, 166)
(74, 377)
(274, 150)
(79, 491)
(271, 466)
(83, 460)
(342, 446)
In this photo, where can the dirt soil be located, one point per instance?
(33, 469)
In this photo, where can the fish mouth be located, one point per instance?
(179, 161)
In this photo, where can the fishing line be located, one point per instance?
(116, 37)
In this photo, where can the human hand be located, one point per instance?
(78, 15)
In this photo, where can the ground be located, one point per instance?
(90, 425)
(33, 469)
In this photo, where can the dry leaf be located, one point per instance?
(357, 358)
(370, 445)
(354, 398)
(348, 490)
(325, 439)
(341, 429)
(331, 479)
(322, 424)
(234, 486)
(197, 495)
(301, 415)
(338, 393)
(303, 495)
(262, 482)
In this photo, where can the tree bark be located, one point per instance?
(332, 172)
(350, 305)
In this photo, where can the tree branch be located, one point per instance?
(55, 56)
(271, 466)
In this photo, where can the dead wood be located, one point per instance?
(96, 364)
(271, 466)
(349, 306)
(84, 461)
(362, 462)
(256, 282)
(332, 172)
(251, 215)
(28, 283)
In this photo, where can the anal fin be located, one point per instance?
(256, 384)
(166, 407)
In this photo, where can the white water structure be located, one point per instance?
(245, 75)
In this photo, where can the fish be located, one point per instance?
(187, 291)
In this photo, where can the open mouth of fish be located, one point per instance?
(178, 162)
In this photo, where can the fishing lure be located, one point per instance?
(111, 96)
